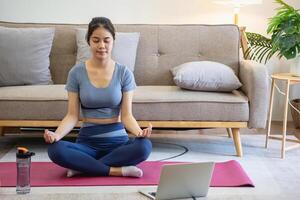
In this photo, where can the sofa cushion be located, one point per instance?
(124, 50)
(24, 55)
(149, 103)
(33, 102)
(205, 76)
(174, 103)
(34, 93)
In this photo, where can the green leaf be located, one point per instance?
(284, 28)
(259, 46)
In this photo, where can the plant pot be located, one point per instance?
(295, 114)
(295, 66)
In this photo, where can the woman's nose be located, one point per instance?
(101, 44)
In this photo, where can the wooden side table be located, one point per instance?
(290, 80)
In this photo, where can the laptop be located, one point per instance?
(182, 181)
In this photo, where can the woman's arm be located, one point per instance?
(128, 120)
(69, 121)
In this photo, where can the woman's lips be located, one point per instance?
(101, 52)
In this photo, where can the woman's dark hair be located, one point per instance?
(99, 22)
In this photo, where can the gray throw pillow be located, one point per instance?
(205, 76)
(124, 50)
(24, 56)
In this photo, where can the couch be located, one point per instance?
(157, 99)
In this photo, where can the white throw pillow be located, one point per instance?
(205, 76)
(124, 50)
(24, 56)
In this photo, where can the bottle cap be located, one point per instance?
(23, 152)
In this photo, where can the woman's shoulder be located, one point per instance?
(77, 68)
(122, 68)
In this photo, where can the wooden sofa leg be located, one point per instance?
(1, 131)
(229, 131)
(237, 141)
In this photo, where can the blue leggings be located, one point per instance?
(84, 156)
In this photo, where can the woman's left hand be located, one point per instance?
(146, 132)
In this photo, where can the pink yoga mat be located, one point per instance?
(43, 174)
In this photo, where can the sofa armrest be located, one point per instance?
(254, 77)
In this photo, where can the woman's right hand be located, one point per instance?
(49, 136)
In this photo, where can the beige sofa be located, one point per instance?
(156, 99)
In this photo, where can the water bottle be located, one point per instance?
(23, 157)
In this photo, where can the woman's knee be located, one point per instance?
(55, 150)
(144, 146)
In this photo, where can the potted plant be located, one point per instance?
(284, 28)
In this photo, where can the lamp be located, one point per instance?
(237, 4)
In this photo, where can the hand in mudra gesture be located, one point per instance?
(145, 132)
(49, 136)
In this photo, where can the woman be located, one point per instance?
(102, 88)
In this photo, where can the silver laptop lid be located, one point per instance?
(184, 180)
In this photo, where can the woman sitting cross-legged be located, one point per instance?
(103, 89)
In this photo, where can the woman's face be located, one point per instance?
(101, 43)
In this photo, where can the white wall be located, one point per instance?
(136, 11)
(254, 17)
